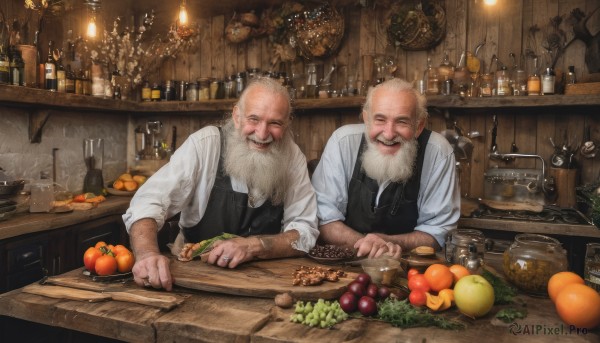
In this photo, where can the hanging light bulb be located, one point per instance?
(184, 30)
(183, 15)
(91, 29)
(490, 2)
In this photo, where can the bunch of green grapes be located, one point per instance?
(323, 314)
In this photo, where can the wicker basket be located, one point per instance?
(416, 26)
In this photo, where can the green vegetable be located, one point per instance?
(508, 315)
(207, 244)
(401, 314)
(503, 293)
(323, 314)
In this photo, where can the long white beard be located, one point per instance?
(396, 168)
(264, 172)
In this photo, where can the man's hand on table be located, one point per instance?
(152, 269)
(374, 246)
(233, 252)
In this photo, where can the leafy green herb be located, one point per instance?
(401, 314)
(508, 315)
(503, 293)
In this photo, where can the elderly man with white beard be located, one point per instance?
(389, 184)
(248, 178)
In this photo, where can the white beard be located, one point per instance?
(396, 168)
(264, 172)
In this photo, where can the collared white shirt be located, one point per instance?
(439, 195)
(184, 185)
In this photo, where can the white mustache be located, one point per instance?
(382, 139)
(253, 138)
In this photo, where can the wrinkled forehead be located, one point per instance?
(393, 103)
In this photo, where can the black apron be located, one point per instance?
(397, 211)
(228, 211)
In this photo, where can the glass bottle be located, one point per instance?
(431, 78)
(70, 80)
(548, 80)
(486, 85)
(86, 83)
(534, 84)
(4, 66)
(446, 68)
(155, 92)
(17, 69)
(61, 78)
(531, 260)
(571, 79)
(461, 76)
(146, 91)
(79, 82)
(311, 80)
(50, 70)
(503, 82)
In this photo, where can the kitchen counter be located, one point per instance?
(24, 223)
(205, 316)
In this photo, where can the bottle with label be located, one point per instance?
(50, 70)
(146, 91)
(446, 68)
(548, 79)
(4, 66)
(61, 77)
(534, 83)
(155, 92)
(87, 83)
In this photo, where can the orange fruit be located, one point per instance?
(579, 305)
(105, 265)
(458, 271)
(125, 261)
(439, 277)
(559, 280)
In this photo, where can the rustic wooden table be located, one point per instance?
(213, 317)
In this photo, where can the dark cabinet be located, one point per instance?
(26, 259)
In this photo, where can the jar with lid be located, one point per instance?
(457, 244)
(531, 260)
(169, 91)
(191, 93)
(146, 91)
(240, 84)
(204, 89)
(214, 88)
(155, 92)
(486, 85)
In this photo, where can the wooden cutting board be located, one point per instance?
(264, 279)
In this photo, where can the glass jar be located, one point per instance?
(457, 245)
(204, 89)
(191, 93)
(531, 260)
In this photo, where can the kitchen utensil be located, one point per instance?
(588, 149)
(381, 270)
(9, 188)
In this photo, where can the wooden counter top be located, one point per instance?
(24, 223)
(530, 227)
(215, 317)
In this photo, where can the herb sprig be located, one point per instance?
(401, 314)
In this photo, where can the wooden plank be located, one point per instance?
(525, 138)
(264, 279)
(479, 161)
(205, 59)
(218, 47)
(546, 129)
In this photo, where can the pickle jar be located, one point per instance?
(531, 260)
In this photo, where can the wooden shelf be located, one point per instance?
(39, 99)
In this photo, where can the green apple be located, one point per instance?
(474, 296)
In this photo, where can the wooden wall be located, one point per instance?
(504, 28)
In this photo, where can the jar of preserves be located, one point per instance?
(531, 260)
(204, 89)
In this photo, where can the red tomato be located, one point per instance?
(411, 272)
(106, 265)
(418, 283)
(125, 261)
(89, 258)
(417, 298)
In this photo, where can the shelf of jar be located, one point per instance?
(35, 98)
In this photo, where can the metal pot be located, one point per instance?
(8, 188)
